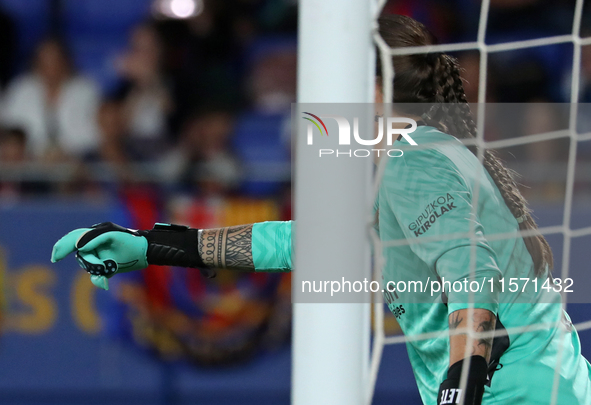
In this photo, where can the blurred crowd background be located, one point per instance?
(194, 95)
(139, 111)
(191, 95)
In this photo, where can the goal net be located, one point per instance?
(567, 230)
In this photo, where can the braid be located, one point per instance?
(457, 120)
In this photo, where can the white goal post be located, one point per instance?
(336, 64)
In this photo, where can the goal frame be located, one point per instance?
(336, 64)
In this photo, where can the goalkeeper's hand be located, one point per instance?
(106, 249)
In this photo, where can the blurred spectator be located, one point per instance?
(13, 155)
(114, 147)
(147, 100)
(112, 129)
(114, 165)
(13, 144)
(203, 160)
(56, 107)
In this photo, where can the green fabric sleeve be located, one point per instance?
(432, 201)
(272, 246)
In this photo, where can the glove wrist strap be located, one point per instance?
(173, 245)
(450, 392)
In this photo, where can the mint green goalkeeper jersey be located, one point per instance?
(425, 211)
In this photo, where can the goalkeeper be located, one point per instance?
(425, 195)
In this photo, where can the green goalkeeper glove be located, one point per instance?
(106, 249)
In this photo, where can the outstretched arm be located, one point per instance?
(106, 249)
(263, 246)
